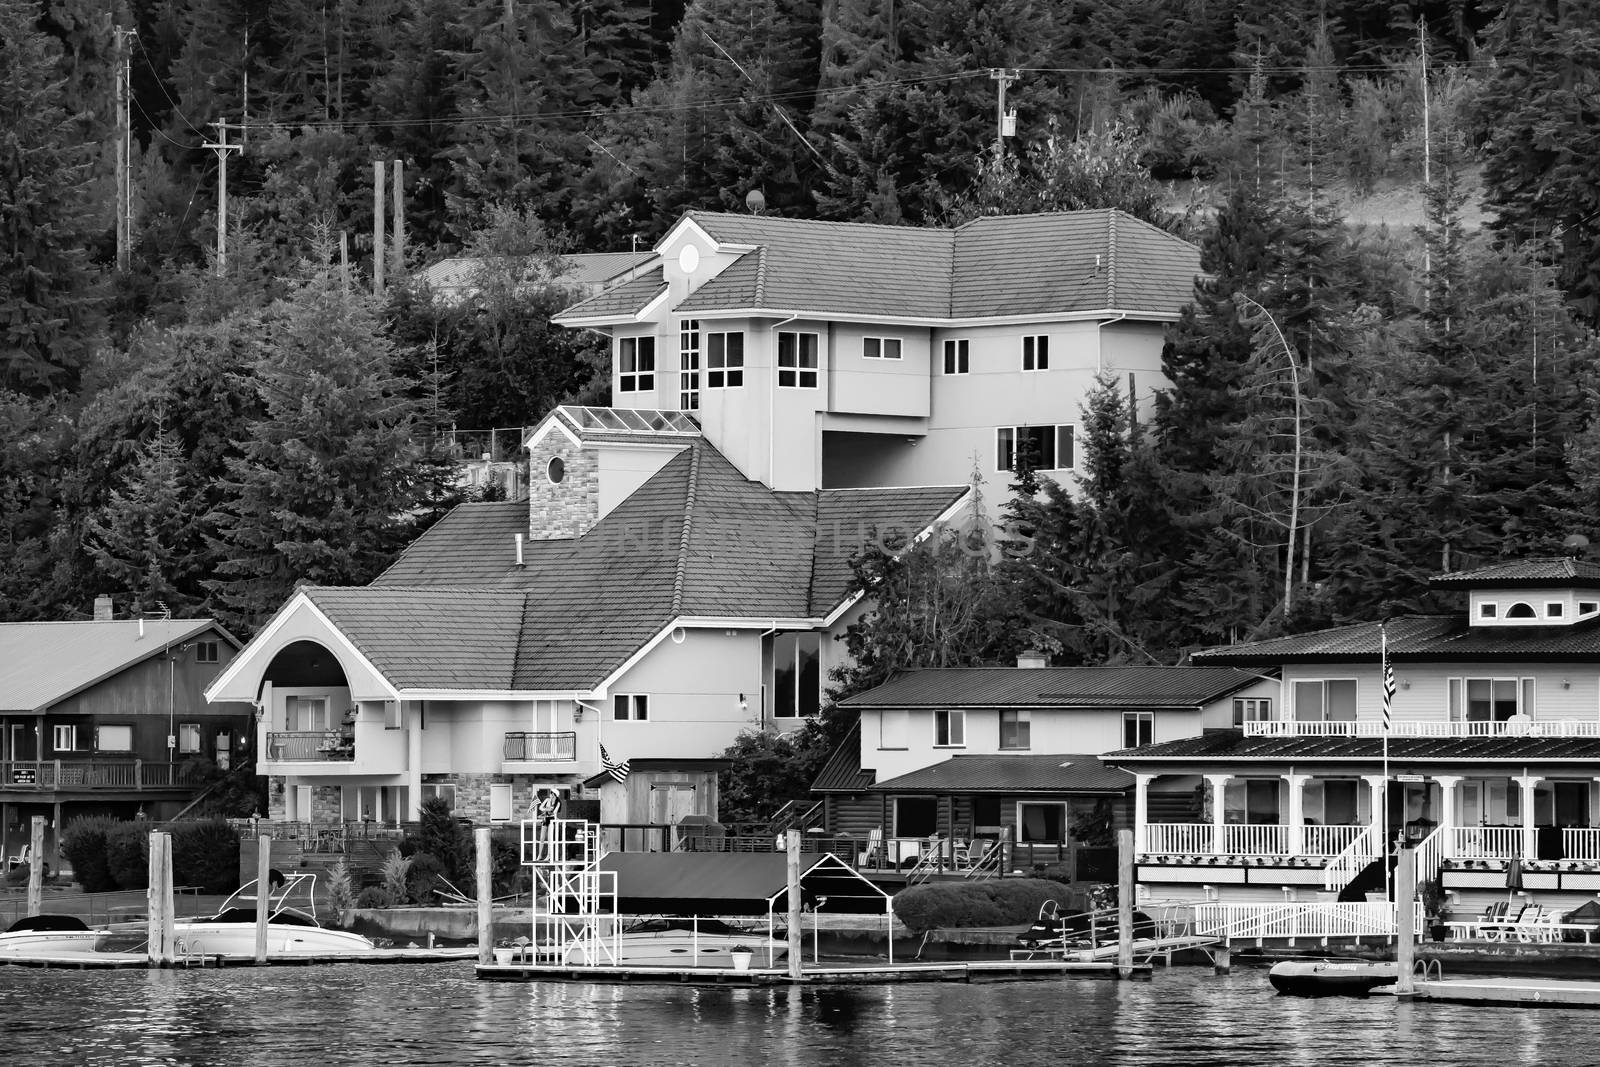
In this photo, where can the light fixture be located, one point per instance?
(744, 705)
(1565, 684)
(1406, 684)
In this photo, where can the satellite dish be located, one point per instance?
(756, 202)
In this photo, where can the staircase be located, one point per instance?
(1373, 878)
(795, 815)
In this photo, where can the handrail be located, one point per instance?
(1430, 855)
(1347, 864)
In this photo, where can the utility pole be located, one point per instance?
(222, 148)
(399, 208)
(1005, 123)
(377, 227)
(124, 49)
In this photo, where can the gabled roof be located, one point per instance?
(1012, 774)
(626, 299)
(1418, 638)
(1221, 745)
(584, 270)
(843, 772)
(1552, 572)
(44, 663)
(1144, 686)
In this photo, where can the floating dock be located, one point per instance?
(824, 974)
(110, 961)
(1521, 992)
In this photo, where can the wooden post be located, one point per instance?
(1405, 892)
(158, 901)
(1124, 903)
(378, 250)
(36, 865)
(1221, 959)
(263, 893)
(399, 220)
(796, 962)
(480, 842)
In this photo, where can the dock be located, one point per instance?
(814, 974)
(112, 961)
(1520, 992)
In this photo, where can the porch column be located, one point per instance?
(1297, 812)
(1447, 815)
(1219, 783)
(1141, 812)
(1375, 787)
(411, 715)
(1530, 845)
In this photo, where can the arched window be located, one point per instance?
(1521, 610)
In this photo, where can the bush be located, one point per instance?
(440, 835)
(206, 854)
(395, 868)
(84, 847)
(128, 855)
(425, 874)
(374, 896)
(341, 888)
(998, 902)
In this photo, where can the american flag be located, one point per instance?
(1388, 678)
(617, 770)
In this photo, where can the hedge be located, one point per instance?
(84, 846)
(108, 854)
(205, 854)
(994, 902)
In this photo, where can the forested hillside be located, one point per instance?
(1358, 404)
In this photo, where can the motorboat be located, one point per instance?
(292, 930)
(1331, 977)
(46, 935)
(679, 942)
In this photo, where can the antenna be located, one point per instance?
(756, 201)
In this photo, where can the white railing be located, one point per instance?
(1328, 840)
(1580, 844)
(1249, 839)
(1374, 728)
(1430, 855)
(1486, 842)
(1231, 922)
(1348, 863)
(1177, 837)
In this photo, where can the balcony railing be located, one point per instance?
(309, 746)
(1485, 842)
(1251, 839)
(1177, 837)
(1328, 840)
(94, 774)
(1374, 728)
(1580, 843)
(541, 746)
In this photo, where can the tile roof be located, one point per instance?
(849, 520)
(697, 539)
(586, 270)
(429, 638)
(1012, 774)
(843, 772)
(625, 299)
(1186, 687)
(44, 663)
(1417, 638)
(1234, 745)
(1562, 572)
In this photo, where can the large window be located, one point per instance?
(1325, 700)
(1046, 448)
(1489, 699)
(689, 365)
(306, 713)
(956, 354)
(1014, 729)
(445, 791)
(1251, 800)
(949, 728)
(114, 739)
(1251, 709)
(1041, 824)
(724, 360)
(1036, 352)
(636, 364)
(797, 360)
(796, 675)
(915, 816)
(1138, 728)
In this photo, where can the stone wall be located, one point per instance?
(570, 507)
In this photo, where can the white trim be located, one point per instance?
(644, 313)
(743, 622)
(823, 315)
(248, 653)
(542, 431)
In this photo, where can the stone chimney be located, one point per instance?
(1032, 659)
(563, 489)
(102, 608)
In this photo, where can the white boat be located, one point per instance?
(47, 935)
(1331, 977)
(682, 942)
(291, 930)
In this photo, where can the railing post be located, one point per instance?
(138, 774)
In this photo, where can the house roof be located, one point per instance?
(1227, 745)
(698, 539)
(735, 883)
(1039, 265)
(1145, 687)
(843, 772)
(1012, 774)
(624, 300)
(585, 270)
(1560, 572)
(44, 663)
(1417, 638)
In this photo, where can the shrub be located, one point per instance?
(395, 868)
(998, 902)
(206, 854)
(341, 889)
(424, 874)
(506, 873)
(84, 846)
(374, 896)
(128, 855)
(440, 835)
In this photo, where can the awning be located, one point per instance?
(737, 883)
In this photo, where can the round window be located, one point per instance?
(557, 470)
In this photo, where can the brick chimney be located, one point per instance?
(1032, 659)
(102, 608)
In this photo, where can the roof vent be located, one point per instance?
(103, 611)
(1032, 659)
(519, 549)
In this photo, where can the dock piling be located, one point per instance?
(1405, 891)
(263, 893)
(1125, 892)
(480, 841)
(796, 962)
(158, 901)
(36, 865)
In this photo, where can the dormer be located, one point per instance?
(1555, 591)
(583, 462)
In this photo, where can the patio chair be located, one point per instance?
(1504, 928)
(872, 854)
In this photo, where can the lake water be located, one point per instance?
(439, 1014)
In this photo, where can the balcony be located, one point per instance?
(541, 747)
(1513, 727)
(310, 746)
(93, 774)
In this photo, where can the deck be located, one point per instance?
(88, 961)
(815, 974)
(1521, 992)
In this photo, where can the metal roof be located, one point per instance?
(1214, 745)
(1012, 774)
(1418, 639)
(44, 663)
(735, 883)
(1143, 686)
(843, 772)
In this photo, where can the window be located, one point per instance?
(1138, 728)
(1014, 729)
(189, 737)
(499, 801)
(1331, 700)
(306, 713)
(636, 364)
(1251, 709)
(1553, 609)
(949, 729)
(1046, 448)
(65, 737)
(915, 816)
(630, 706)
(114, 739)
(555, 470)
(1041, 823)
(1588, 607)
(893, 728)
(1521, 610)
(1486, 699)
(205, 652)
(392, 718)
(955, 356)
(1036, 352)
(1251, 800)
(724, 360)
(1487, 610)
(689, 365)
(796, 675)
(445, 791)
(797, 360)
(880, 348)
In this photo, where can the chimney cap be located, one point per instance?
(1033, 658)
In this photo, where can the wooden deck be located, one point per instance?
(824, 974)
